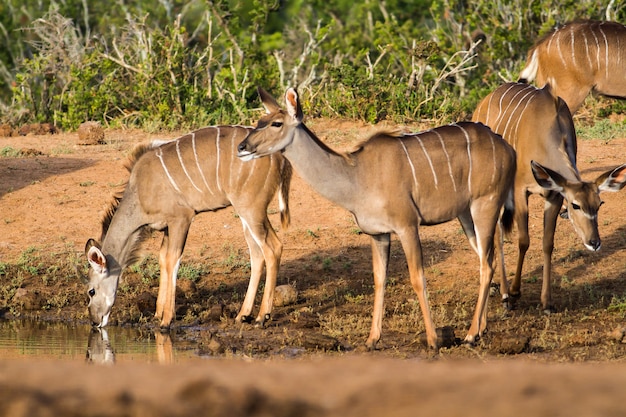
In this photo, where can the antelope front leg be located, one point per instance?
(380, 261)
(272, 251)
(550, 216)
(257, 263)
(169, 262)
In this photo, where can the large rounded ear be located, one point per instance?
(268, 101)
(612, 180)
(546, 178)
(90, 243)
(96, 259)
(293, 104)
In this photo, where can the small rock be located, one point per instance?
(90, 133)
(285, 295)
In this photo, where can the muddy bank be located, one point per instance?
(361, 386)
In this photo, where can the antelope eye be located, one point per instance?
(92, 292)
(277, 124)
(575, 206)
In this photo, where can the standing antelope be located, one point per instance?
(539, 126)
(580, 57)
(394, 183)
(169, 184)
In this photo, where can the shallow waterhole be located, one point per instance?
(32, 339)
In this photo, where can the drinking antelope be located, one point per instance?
(169, 184)
(539, 126)
(580, 57)
(393, 183)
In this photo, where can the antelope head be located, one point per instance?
(103, 278)
(275, 130)
(582, 198)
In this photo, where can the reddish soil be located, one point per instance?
(310, 360)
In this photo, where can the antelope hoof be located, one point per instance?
(471, 340)
(370, 345)
(246, 319)
(507, 303)
(494, 288)
(260, 321)
(549, 310)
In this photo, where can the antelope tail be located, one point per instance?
(530, 70)
(508, 213)
(283, 193)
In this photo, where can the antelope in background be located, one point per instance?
(394, 183)
(578, 58)
(539, 126)
(169, 184)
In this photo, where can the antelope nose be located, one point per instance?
(242, 146)
(595, 244)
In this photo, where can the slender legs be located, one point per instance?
(265, 251)
(172, 246)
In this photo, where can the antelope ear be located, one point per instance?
(547, 178)
(90, 243)
(97, 260)
(293, 104)
(612, 180)
(268, 101)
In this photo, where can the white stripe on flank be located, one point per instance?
(572, 36)
(606, 53)
(406, 152)
(558, 47)
(469, 157)
(511, 113)
(495, 127)
(587, 50)
(430, 162)
(195, 153)
(217, 162)
(159, 154)
(518, 103)
(519, 119)
(597, 49)
(182, 164)
(443, 146)
(493, 153)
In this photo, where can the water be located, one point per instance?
(28, 339)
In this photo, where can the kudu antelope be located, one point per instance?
(169, 184)
(394, 183)
(578, 58)
(539, 126)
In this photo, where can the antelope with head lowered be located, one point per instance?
(394, 183)
(539, 126)
(169, 184)
(578, 58)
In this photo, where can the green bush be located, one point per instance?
(180, 64)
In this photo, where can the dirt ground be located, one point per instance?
(310, 359)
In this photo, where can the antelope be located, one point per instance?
(578, 58)
(539, 125)
(169, 184)
(394, 183)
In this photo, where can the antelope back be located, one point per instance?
(446, 167)
(201, 170)
(537, 124)
(578, 57)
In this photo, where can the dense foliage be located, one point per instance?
(183, 64)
